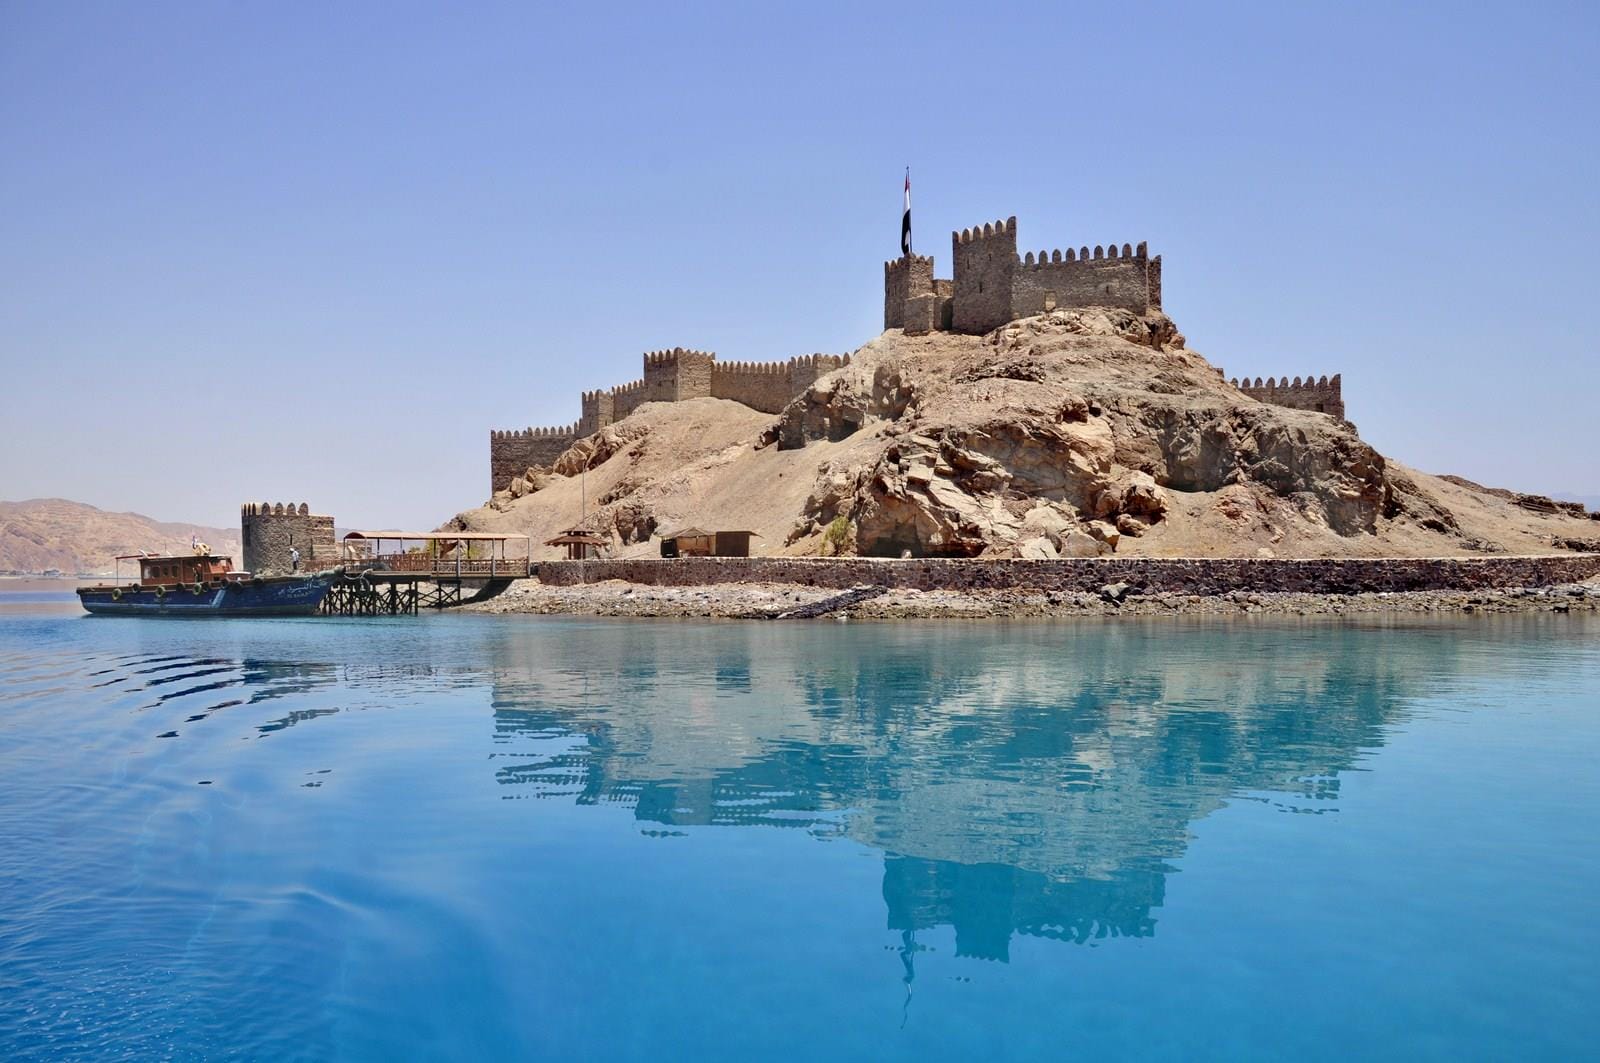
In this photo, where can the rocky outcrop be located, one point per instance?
(591, 451)
(1100, 413)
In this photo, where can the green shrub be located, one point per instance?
(836, 537)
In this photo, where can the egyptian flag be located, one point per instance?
(905, 219)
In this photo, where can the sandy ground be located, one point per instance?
(743, 600)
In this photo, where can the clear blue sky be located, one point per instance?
(316, 251)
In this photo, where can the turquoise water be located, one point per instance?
(462, 837)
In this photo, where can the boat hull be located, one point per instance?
(278, 596)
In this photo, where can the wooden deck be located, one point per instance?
(383, 569)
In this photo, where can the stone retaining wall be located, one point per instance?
(1203, 576)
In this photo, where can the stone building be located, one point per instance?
(270, 530)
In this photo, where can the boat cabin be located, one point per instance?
(175, 570)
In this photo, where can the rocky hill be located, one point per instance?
(1075, 433)
(53, 533)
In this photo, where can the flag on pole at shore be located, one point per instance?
(905, 220)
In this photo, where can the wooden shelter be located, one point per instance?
(695, 542)
(454, 554)
(581, 545)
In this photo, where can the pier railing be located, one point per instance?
(445, 567)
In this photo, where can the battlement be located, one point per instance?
(516, 434)
(1046, 258)
(662, 359)
(1318, 394)
(274, 509)
(272, 532)
(905, 262)
(1004, 229)
(823, 362)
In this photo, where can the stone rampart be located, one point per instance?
(511, 453)
(1319, 394)
(761, 386)
(1127, 277)
(769, 386)
(1199, 576)
(269, 530)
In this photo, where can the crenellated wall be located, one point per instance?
(511, 453)
(1127, 277)
(761, 386)
(1318, 394)
(270, 530)
(769, 386)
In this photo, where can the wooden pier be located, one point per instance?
(422, 570)
(374, 594)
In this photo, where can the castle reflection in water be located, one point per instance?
(1028, 779)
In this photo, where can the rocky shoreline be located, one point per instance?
(771, 600)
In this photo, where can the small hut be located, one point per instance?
(695, 542)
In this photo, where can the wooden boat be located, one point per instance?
(205, 584)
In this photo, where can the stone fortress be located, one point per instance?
(991, 285)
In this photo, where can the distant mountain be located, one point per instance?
(46, 533)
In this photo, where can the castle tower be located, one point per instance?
(985, 262)
(676, 375)
(270, 530)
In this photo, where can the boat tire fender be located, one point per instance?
(198, 588)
